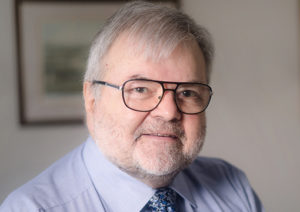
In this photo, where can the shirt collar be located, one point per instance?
(111, 183)
(181, 186)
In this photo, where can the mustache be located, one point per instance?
(160, 127)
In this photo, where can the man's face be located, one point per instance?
(159, 142)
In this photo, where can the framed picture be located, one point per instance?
(53, 39)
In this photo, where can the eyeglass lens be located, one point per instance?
(145, 95)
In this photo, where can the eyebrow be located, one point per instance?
(137, 76)
(140, 76)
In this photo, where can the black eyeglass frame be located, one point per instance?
(121, 88)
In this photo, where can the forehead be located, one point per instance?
(128, 57)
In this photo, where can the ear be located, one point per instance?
(89, 98)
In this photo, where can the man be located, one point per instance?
(145, 93)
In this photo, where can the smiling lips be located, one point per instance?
(160, 135)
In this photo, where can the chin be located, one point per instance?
(163, 161)
(158, 171)
(161, 166)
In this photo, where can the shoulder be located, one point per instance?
(62, 182)
(217, 174)
(222, 182)
(214, 168)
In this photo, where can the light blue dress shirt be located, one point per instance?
(85, 181)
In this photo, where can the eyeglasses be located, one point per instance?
(144, 95)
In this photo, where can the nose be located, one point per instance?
(167, 108)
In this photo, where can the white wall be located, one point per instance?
(254, 117)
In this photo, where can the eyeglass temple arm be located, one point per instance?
(107, 84)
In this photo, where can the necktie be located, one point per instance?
(163, 200)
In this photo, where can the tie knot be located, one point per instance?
(163, 200)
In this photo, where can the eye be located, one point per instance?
(189, 93)
(140, 90)
(191, 96)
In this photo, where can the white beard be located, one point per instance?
(143, 159)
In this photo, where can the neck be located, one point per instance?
(158, 181)
(154, 181)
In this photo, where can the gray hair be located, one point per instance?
(157, 30)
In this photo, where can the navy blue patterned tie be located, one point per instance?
(163, 200)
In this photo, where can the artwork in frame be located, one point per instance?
(53, 39)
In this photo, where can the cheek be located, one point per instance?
(195, 130)
(111, 101)
(132, 120)
(127, 121)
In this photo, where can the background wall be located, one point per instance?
(254, 117)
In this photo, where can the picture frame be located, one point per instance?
(52, 40)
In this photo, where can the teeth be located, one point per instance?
(161, 135)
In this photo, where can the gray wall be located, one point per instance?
(254, 117)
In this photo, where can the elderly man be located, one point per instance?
(145, 93)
